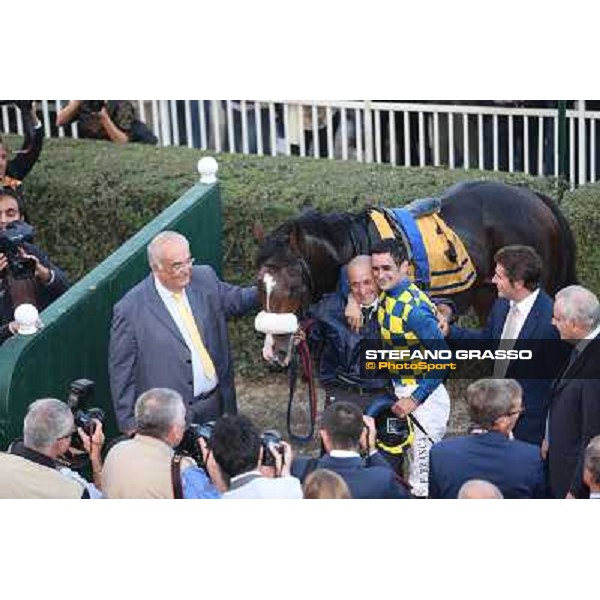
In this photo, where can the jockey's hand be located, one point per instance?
(404, 406)
(369, 435)
(444, 325)
(353, 314)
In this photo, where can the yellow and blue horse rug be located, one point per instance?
(440, 263)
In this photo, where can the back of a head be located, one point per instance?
(235, 444)
(592, 461)
(324, 484)
(343, 423)
(47, 420)
(479, 489)
(157, 410)
(490, 399)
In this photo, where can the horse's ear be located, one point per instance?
(259, 232)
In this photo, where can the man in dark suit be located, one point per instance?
(513, 466)
(171, 331)
(574, 413)
(344, 432)
(522, 312)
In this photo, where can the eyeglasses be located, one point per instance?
(179, 267)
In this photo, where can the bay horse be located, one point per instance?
(303, 256)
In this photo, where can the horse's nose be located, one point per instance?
(282, 357)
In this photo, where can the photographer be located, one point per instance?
(33, 469)
(146, 465)
(345, 432)
(112, 120)
(237, 451)
(12, 172)
(44, 283)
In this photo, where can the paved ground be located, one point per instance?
(265, 402)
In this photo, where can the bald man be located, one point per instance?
(170, 331)
(478, 489)
(339, 346)
(574, 407)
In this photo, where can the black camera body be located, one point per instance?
(81, 394)
(11, 241)
(271, 436)
(189, 442)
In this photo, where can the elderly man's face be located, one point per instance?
(9, 211)
(362, 284)
(175, 268)
(565, 327)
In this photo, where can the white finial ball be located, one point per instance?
(208, 167)
(26, 316)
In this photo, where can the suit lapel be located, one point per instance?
(158, 309)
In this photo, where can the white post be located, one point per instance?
(582, 141)
(368, 131)
(208, 167)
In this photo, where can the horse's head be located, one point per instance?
(284, 283)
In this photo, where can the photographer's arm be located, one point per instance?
(93, 446)
(20, 166)
(54, 281)
(68, 113)
(113, 132)
(283, 459)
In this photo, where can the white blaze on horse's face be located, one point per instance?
(267, 350)
(270, 283)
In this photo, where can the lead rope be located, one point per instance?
(301, 354)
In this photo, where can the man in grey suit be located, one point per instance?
(170, 330)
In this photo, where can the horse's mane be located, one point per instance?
(328, 230)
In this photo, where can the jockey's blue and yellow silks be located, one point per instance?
(440, 262)
(407, 320)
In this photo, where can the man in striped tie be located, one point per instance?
(171, 331)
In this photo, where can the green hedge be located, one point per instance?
(86, 197)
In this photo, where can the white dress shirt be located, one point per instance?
(524, 307)
(202, 383)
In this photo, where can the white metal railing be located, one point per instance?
(499, 138)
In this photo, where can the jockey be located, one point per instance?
(407, 319)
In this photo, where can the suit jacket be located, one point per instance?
(515, 467)
(574, 418)
(538, 326)
(147, 350)
(377, 480)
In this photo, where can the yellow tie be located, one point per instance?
(192, 329)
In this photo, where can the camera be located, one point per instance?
(81, 394)
(95, 105)
(271, 436)
(189, 442)
(11, 241)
